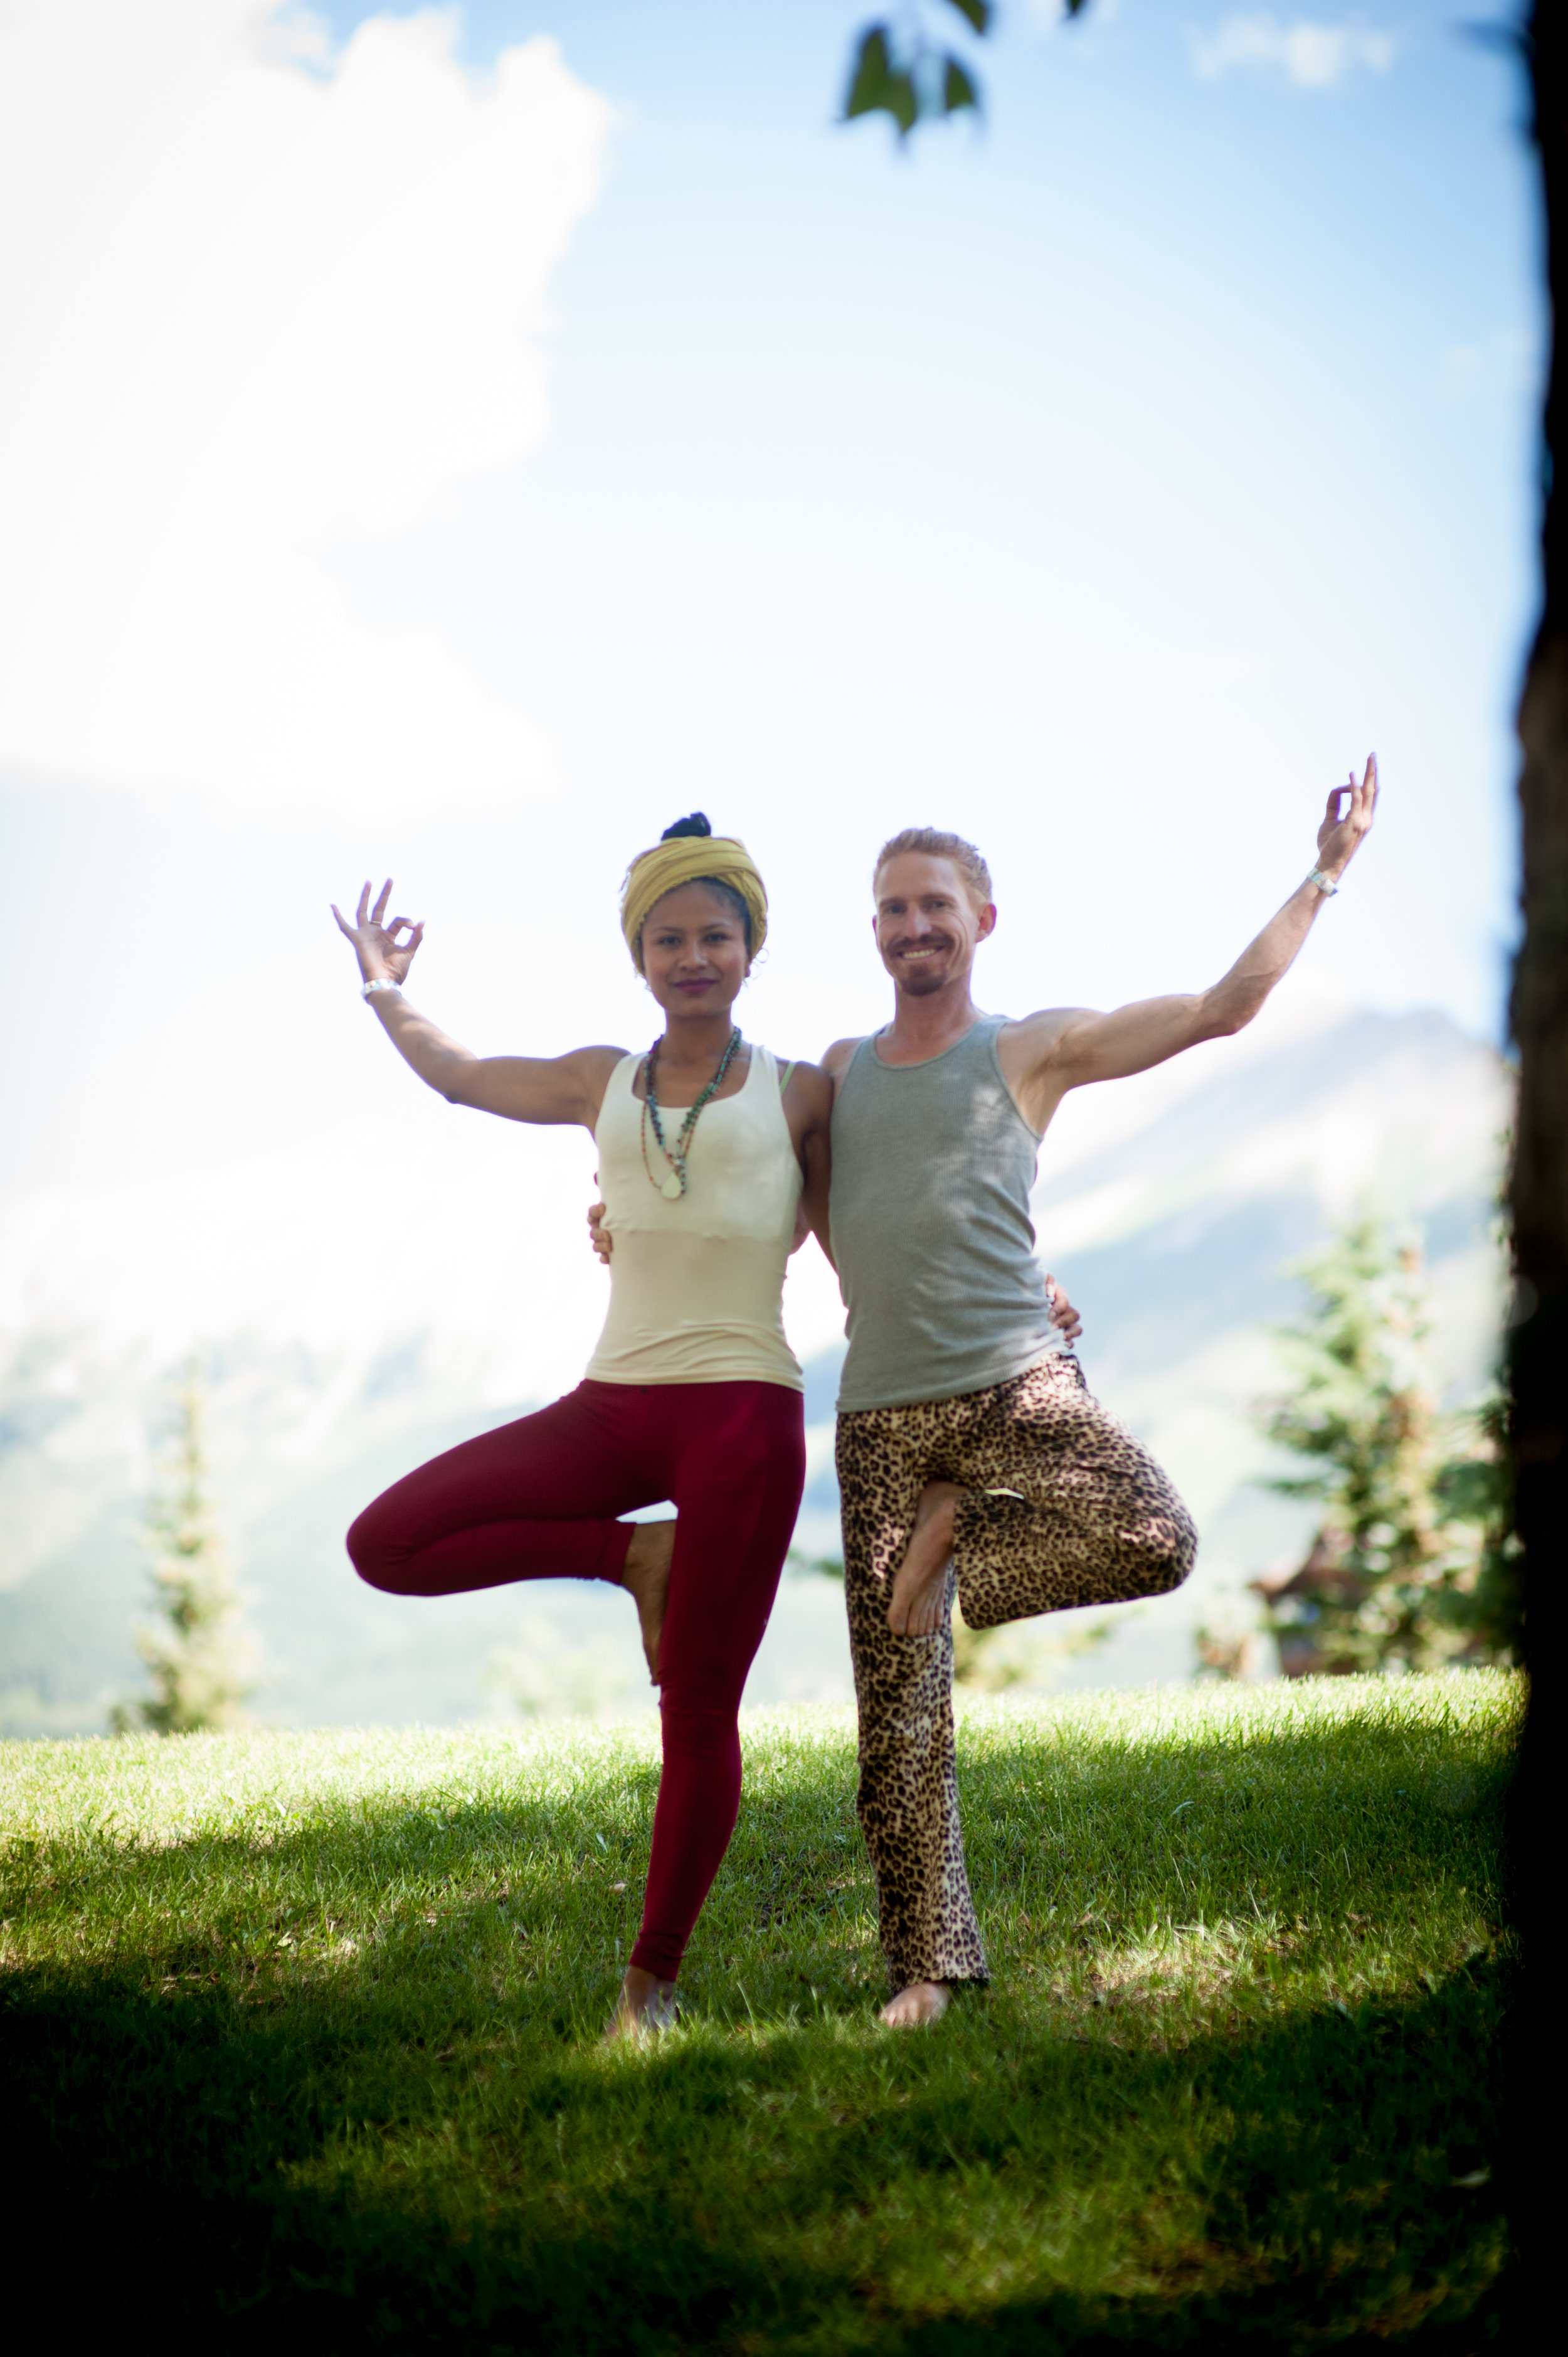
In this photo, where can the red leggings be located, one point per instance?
(537, 1498)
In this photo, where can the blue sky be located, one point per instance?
(1103, 481)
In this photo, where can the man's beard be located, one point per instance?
(921, 980)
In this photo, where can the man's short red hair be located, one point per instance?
(937, 844)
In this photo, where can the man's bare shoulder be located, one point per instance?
(1034, 1035)
(836, 1062)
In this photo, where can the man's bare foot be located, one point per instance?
(921, 2002)
(644, 2007)
(915, 1607)
(646, 1572)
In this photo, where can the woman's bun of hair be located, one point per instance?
(696, 824)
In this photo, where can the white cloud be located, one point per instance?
(256, 297)
(1313, 57)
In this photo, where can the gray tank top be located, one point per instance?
(929, 1213)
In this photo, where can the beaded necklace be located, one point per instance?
(674, 1186)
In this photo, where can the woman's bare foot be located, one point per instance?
(921, 2002)
(644, 2007)
(915, 1607)
(646, 1573)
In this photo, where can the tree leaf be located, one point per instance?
(878, 86)
(978, 13)
(870, 76)
(903, 101)
(958, 88)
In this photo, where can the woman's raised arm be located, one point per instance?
(544, 1089)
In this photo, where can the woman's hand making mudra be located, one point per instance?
(1064, 1316)
(382, 957)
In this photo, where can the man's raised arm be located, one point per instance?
(1065, 1048)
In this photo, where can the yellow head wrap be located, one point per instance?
(680, 860)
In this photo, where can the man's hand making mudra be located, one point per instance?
(1064, 1316)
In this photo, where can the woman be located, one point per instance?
(707, 1150)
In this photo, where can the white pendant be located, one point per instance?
(671, 1190)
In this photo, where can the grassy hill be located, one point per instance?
(306, 2027)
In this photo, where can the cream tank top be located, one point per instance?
(696, 1285)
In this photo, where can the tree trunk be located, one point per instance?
(1539, 1206)
(1538, 1189)
(1538, 1013)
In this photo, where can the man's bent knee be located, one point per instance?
(1169, 1550)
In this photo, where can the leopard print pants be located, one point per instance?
(1062, 1507)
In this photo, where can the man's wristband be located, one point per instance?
(368, 988)
(1323, 884)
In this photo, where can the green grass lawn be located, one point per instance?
(300, 2039)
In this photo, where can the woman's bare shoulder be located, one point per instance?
(807, 1084)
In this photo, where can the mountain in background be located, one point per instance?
(360, 1303)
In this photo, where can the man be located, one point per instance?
(970, 1451)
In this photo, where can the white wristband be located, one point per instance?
(383, 984)
(1323, 884)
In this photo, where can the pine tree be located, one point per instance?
(1404, 1571)
(1477, 1486)
(198, 1656)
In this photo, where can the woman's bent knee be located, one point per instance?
(379, 1562)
